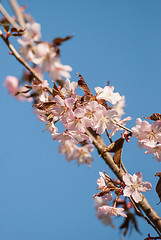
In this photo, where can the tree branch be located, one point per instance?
(18, 13)
(8, 17)
(144, 204)
(19, 58)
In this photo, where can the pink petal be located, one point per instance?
(137, 177)
(137, 196)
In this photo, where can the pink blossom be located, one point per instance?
(82, 154)
(102, 186)
(63, 106)
(11, 83)
(116, 128)
(105, 218)
(134, 186)
(112, 211)
(44, 55)
(107, 94)
(32, 33)
(74, 120)
(92, 114)
(156, 150)
(105, 119)
(146, 133)
(68, 148)
(57, 70)
(69, 89)
(50, 126)
(37, 86)
(119, 107)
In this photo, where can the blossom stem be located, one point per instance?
(8, 17)
(108, 136)
(123, 127)
(18, 13)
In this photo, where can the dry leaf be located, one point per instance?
(116, 147)
(56, 91)
(154, 117)
(58, 41)
(83, 85)
(45, 105)
(158, 186)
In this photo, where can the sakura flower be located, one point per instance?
(116, 128)
(105, 218)
(11, 83)
(106, 194)
(82, 154)
(137, 129)
(37, 86)
(32, 33)
(107, 94)
(156, 150)
(50, 126)
(74, 120)
(119, 107)
(57, 70)
(112, 211)
(134, 186)
(64, 136)
(67, 148)
(146, 133)
(105, 119)
(63, 106)
(69, 89)
(44, 55)
(92, 115)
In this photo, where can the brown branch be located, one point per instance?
(19, 58)
(153, 218)
(18, 13)
(8, 17)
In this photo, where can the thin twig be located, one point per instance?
(108, 136)
(19, 58)
(123, 127)
(18, 13)
(8, 17)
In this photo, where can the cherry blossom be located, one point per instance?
(116, 128)
(11, 83)
(105, 218)
(147, 133)
(82, 154)
(105, 119)
(102, 186)
(156, 150)
(134, 186)
(119, 107)
(69, 89)
(112, 211)
(32, 33)
(107, 94)
(68, 148)
(57, 70)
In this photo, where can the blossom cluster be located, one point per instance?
(43, 54)
(149, 136)
(99, 112)
(132, 186)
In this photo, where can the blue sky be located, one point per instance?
(42, 196)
